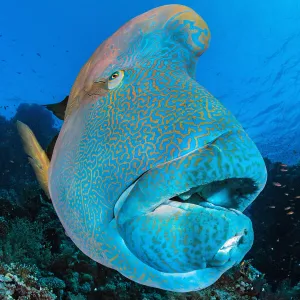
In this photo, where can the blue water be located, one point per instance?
(252, 65)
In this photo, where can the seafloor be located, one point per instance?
(38, 261)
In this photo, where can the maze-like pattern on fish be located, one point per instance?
(158, 114)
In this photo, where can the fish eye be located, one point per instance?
(114, 75)
(115, 79)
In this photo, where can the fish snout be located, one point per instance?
(186, 214)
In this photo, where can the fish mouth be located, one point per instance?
(186, 214)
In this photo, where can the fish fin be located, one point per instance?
(37, 156)
(50, 148)
(59, 108)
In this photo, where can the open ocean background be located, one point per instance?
(252, 64)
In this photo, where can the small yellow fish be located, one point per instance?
(290, 213)
(297, 197)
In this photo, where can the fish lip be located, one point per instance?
(140, 201)
(258, 185)
(127, 190)
(206, 197)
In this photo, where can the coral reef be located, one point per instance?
(20, 282)
(39, 261)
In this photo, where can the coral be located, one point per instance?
(13, 286)
(25, 243)
(285, 291)
(53, 283)
(242, 280)
(9, 206)
(3, 227)
(85, 288)
(119, 287)
(36, 255)
(73, 281)
(28, 273)
(86, 278)
(71, 296)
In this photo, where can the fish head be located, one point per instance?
(150, 174)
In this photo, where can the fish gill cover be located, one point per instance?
(149, 175)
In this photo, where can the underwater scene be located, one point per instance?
(150, 150)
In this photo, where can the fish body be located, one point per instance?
(150, 173)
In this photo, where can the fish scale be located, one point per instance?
(139, 133)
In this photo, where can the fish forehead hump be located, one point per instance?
(171, 32)
(163, 114)
(157, 115)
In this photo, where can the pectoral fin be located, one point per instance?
(37, 156)
(50, 148)
(58, 108)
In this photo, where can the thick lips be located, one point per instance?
(185, 215)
